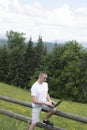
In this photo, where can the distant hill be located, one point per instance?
(48, 44)
(51, 45)
(3, 42)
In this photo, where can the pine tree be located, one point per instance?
(16, 50)
(3, 64)
(40, 52)
(29, 61)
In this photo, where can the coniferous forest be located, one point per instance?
(66, 66)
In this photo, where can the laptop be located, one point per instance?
(56, 104)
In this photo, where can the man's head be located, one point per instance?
(42, 77)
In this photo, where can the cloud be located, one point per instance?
(15, 7)
(60, 23)
(4, 5)
(80, 17)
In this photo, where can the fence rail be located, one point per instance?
(58, 113)
(27, 119)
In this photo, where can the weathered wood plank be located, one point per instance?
(27, 119)
(58, 113)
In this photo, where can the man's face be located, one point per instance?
(43, 77)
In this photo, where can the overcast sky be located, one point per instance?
(53, 19)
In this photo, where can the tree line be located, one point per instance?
(66, 66)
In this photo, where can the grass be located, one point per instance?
(7, 123)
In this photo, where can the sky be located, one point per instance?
(54, 20)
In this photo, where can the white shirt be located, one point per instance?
(40, 91)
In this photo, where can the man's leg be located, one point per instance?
(50, 113)
(35, 117)
(32, 126)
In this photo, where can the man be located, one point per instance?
(41, 99)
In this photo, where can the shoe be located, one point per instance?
(48, 123)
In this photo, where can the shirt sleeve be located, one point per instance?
(33, 91)
(47, 87)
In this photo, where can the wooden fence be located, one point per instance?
(39, 124)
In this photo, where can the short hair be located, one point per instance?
(42, 73)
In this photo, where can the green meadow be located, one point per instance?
(7, 123)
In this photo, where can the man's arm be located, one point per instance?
(48, 98)
(34, 100)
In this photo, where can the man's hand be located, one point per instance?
(53, 102)
(49, 104)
